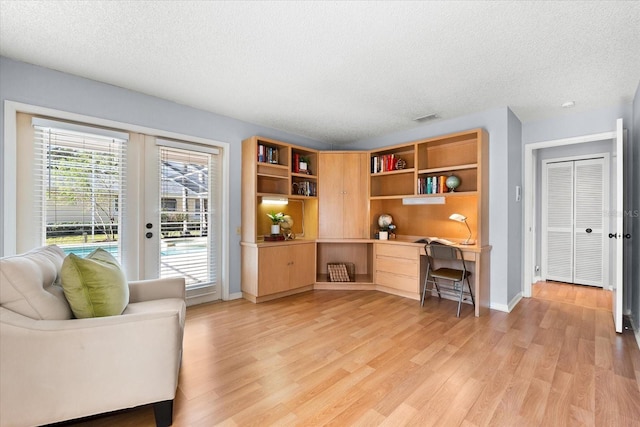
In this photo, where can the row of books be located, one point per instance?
(384, 163)
(267, 154)
(432, 185)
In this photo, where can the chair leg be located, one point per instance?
(435, 282)
(163, 412)
(424, 290)
(460, 297)
(471, 293)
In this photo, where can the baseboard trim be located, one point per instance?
(507, 308)
(235, 295)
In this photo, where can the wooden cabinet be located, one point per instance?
(398, 267)
(343, 195)
(270, 271)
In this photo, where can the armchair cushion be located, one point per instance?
(29, 284)
(95, 286)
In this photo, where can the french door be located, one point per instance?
(181, 212)
(573, 221)
(154, 204)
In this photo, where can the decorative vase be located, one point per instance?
(275, 229)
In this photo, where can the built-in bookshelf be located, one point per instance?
(422, 173)
(271, 172)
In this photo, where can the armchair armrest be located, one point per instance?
(54, 370)
(148, 290)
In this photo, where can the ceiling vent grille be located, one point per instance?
(426, 118)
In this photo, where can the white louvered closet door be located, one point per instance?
(574, 202)
(557, 222)
(588, 233)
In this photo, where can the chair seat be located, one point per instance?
(449, 274)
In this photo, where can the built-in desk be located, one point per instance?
(397, 266)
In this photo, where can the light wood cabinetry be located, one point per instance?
(278, 269)
(343, 195)
(269, 170)
(398, 267)
(359, 252)
(335, 206)
(463, 154)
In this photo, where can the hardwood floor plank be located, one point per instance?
(348, 358)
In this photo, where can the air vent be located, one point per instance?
(426, 118)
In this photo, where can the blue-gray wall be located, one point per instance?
(505, 164)
(43, 87)
(515, 246)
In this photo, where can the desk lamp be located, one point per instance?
(461, 218)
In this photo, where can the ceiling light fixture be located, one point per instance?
(426, 118)
(569, 104)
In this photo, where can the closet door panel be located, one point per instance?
(589, 221)
(558, 222)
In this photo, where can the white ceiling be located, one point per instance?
(341, 71)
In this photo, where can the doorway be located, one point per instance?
(619, 268)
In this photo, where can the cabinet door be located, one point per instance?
(303, 269)
(355, 195)
(273, 269)
(330, 197)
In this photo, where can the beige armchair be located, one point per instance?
(54, 367)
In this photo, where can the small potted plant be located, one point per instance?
(276, 219)
(303, 164)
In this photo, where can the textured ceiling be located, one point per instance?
(341, 71)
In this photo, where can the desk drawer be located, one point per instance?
(398, 251)
(406, 267)
(397, 281)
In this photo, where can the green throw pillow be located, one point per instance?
(95, 286)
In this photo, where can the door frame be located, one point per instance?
(529, 232)
(606, 207)
(11, 108)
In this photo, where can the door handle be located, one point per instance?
(613, 235)
(148, 235)
(588, 230)
(627, 236)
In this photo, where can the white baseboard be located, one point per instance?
(235, 295)
(537, 279)
(507, 307)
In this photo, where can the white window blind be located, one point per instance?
(79, 177)
(188, 213)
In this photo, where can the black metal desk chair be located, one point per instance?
(454, 277)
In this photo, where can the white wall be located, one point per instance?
(506, 246)
(29, 84)
(635, 217)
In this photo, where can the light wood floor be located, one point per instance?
(360, 358)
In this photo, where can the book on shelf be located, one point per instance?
(432, 185)
(296, 163)
(383, 163)
(268, 154)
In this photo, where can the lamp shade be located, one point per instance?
(461, 218)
